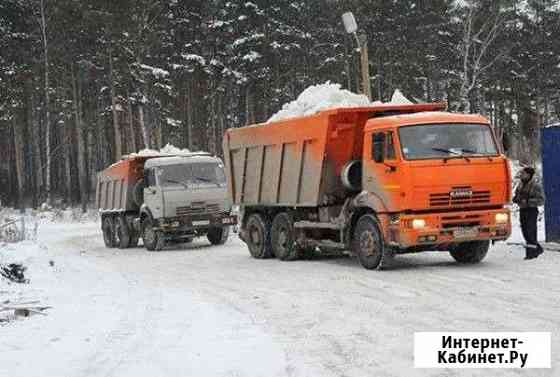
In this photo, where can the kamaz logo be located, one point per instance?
(461, 194)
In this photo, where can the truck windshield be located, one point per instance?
(193, 174)
(446, 141)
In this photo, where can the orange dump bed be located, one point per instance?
(115, 185)
(297, 162)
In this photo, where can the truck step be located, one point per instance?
(317, 225)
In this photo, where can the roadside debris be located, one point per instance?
(11, 311)
(14, 272)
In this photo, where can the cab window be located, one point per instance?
(383, 144)
(390, 153)
(150, 178)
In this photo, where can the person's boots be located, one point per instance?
(539, 251)
(530, 253)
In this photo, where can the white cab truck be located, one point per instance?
(162, 199)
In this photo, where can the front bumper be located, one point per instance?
(197, 222)
(448, 228)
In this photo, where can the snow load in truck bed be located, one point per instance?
(321, 97)
(168, 150)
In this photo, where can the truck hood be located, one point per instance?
(458, 183)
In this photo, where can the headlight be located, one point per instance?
(418, 223)
(501, 218)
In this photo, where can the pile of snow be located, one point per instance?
(399, 99)
(317, 98)
(326, 96)
(168, 150)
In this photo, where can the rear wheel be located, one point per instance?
(282, 237)
(134, 238)
(218, 236)
(258, 236)
(154, 240)
(367, 242)
(122, 233)
(470, 252)
(108, 232)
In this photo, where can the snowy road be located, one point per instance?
(196, 310)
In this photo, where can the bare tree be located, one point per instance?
(116, 128)
(475, 50)
(47, 102)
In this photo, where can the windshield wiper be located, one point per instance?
(178, 182)
(449, 151)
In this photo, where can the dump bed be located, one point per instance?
(116, 185)
(297, 162)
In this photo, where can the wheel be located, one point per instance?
(258, 236)
(122, 233)
(218, 236)
(282, 237)
(306, 252)
(367, 242)
(134, 238)
(108, 229)
(470, 252)
(154, 240)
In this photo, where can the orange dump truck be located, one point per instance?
(374, 181)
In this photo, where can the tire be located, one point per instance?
(282, 238)
(154, 240)
(108, 228)
(218, 236)
(258, 236)
(470, 252)
(367, 242)
(122, 233)
(134, 238)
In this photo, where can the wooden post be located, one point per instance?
(364, 58)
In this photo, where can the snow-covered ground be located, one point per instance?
(197, 310)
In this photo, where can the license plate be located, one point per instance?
(201, 223)
(228, 220)
(465, 233)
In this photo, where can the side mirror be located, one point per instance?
(378, 145)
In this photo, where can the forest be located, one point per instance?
(84, 82)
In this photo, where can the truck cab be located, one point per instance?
(440, 177)
(184, 197)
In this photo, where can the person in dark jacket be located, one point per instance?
(529, 196)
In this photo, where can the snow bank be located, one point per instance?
(321, 97)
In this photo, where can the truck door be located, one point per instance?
(153, 195)
(382, 172)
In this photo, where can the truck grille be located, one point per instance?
(198, 209)
(447, 199)
(461, 221)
